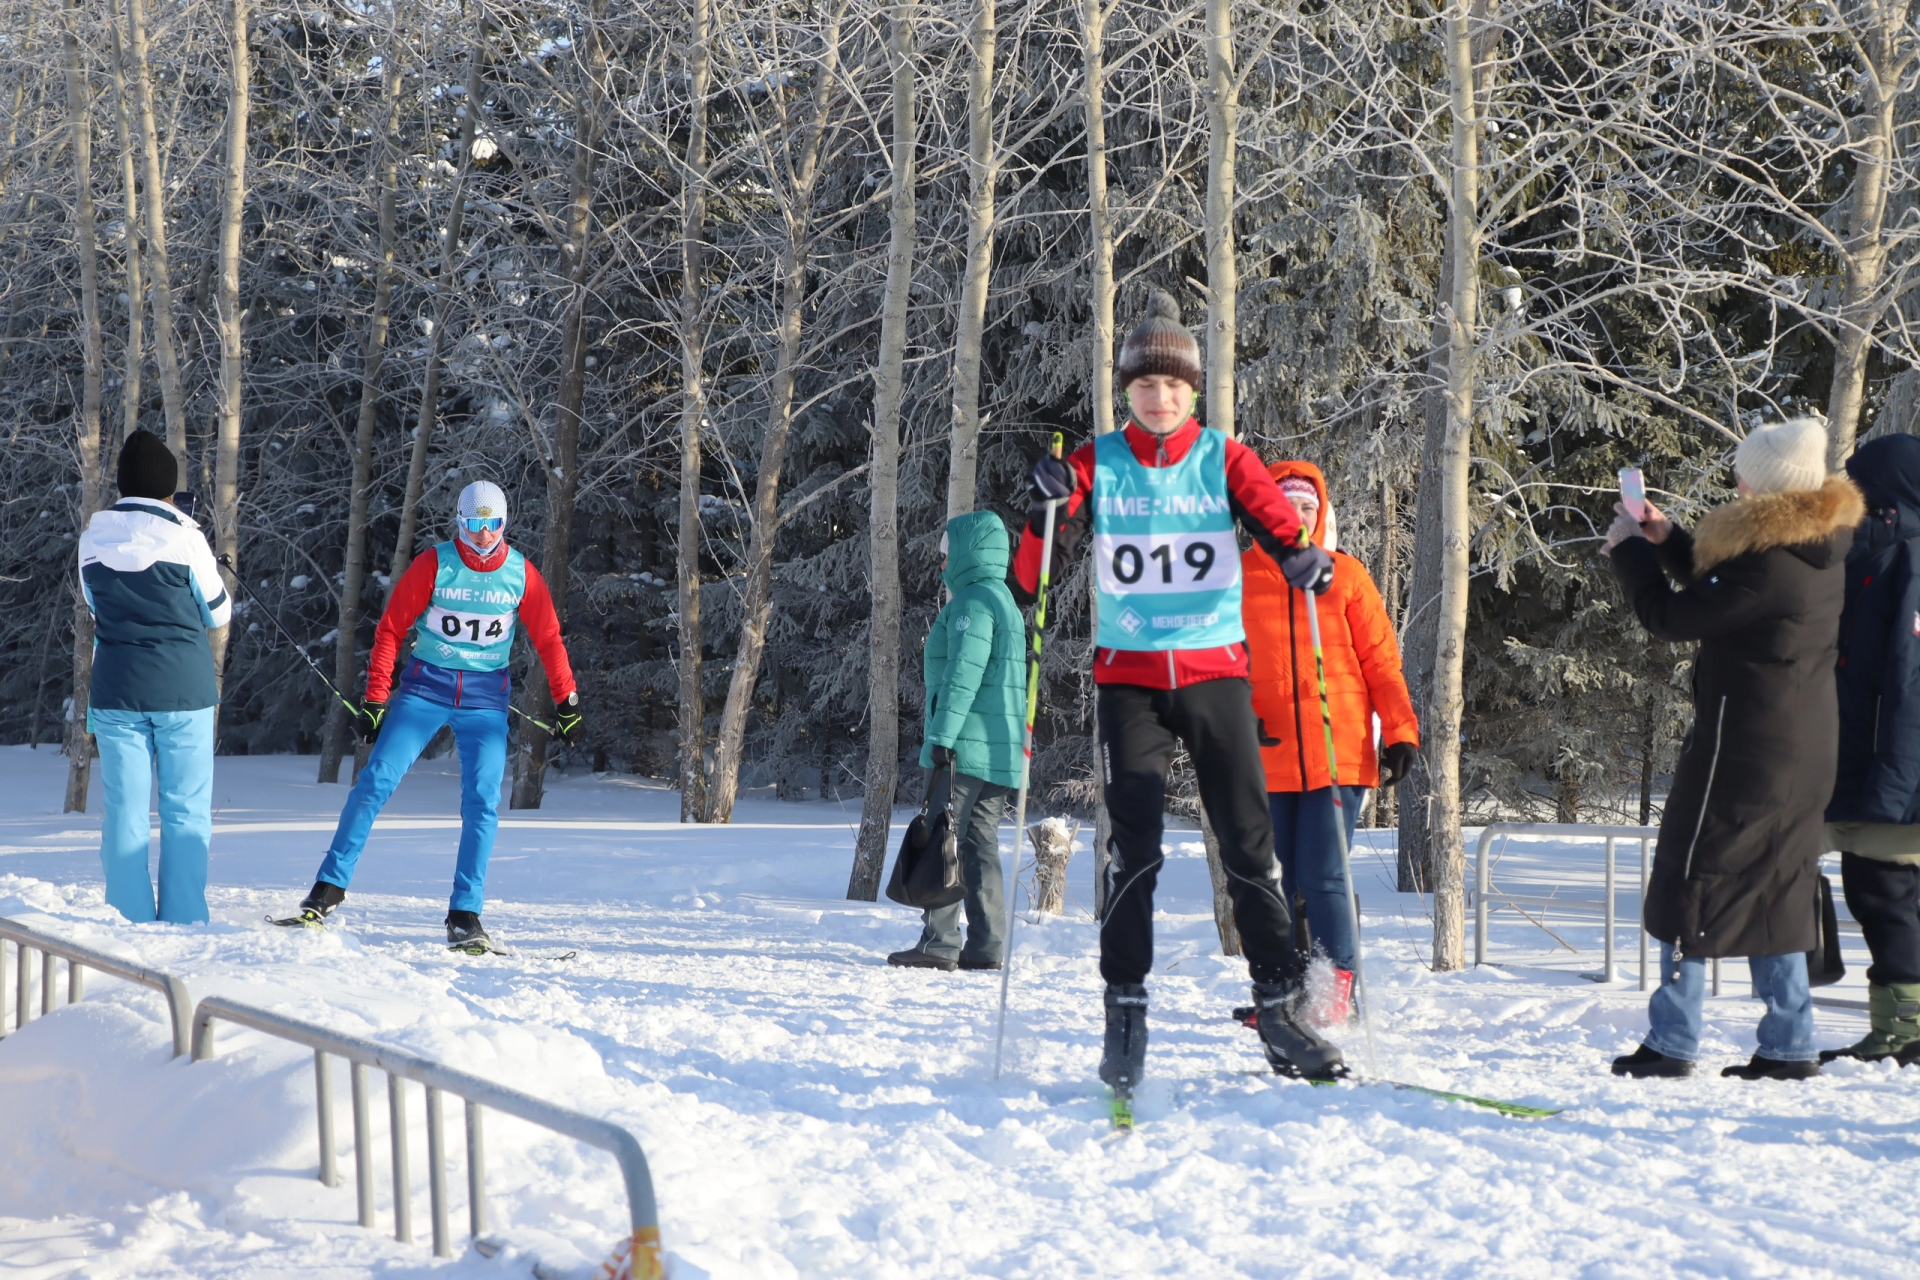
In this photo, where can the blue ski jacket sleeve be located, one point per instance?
(154, 590)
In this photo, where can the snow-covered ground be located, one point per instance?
(809, 1111)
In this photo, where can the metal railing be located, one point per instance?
(400, 1066)
(1485, 896)
(28, 940)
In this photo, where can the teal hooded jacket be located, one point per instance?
(976, 687)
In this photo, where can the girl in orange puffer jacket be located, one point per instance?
(1363, 681)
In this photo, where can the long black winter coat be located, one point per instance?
(1879, 675)
(1762, 588)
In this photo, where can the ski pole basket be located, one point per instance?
(27, 940)
(438, 1080)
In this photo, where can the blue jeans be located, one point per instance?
(179, 746)
(481, 735)
(1307, 847)
(1674, 1014)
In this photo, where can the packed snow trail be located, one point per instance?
(809, 1111)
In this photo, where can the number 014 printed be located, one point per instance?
(1164, 563)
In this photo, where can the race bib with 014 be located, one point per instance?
(1164, 563)
(482, 629)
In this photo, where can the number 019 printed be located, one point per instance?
(1162, 564)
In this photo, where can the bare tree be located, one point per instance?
(133, 362)
(159, 271)
(883, 535)
(982, 172)
(79, 743)
(693, 409)
(231, 323)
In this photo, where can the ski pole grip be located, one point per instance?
(1059, 443)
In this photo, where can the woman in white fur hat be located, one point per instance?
(1759, 587)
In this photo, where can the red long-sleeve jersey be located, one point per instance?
(1257, 504)
(414, 594)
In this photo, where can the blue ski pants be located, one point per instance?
(178, 745)
(481, 735)
(1308, 850)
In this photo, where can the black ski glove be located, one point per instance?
(566, 718)
(1308, 569)
(369, 719)
(1051, 478)
(1396, 762)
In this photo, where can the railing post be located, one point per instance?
(402, 1178)
(3, 986)
(476, 1171)
(362, 1141)
(1606, 963)
(1481, 880)
(323, 1092)
(76, 981)
(203, 1039)
(1643, 912)
(437, 1176)
(180, 1005)
(23, 988)
(1716, 975)
(47, 971)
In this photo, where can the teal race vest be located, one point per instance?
(469, 624)
(1164, 549)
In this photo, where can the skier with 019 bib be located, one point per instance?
(460, 602)
(1160, 498)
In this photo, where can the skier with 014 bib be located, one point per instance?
(1160, 498)
(460, 601)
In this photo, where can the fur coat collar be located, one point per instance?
(1769, 521)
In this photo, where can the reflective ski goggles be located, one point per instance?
(483, 524)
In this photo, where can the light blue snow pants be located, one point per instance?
(481, 735)
(179, 746)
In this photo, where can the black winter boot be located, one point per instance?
(316, 906)
(1292, 1047)
(1772, 1069)
(1123, 1055)
(1644, 1063)
(465, 934)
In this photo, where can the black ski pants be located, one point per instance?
(1138, 731)
(1885, 898)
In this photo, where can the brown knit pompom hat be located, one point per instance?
(1161, 345)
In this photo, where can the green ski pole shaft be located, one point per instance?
(1340, 828)
(1026, 760)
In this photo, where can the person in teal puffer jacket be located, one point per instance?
(975, 722)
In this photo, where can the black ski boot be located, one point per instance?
(1123, 1056)
(464, 933)
(315, 908)
(1293, 1048)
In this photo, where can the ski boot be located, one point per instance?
(1293, 1049)
(315, 908)
(1123, 1055)
(1895, 1013)
(465, 934)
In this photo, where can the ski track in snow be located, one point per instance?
(808, 1111)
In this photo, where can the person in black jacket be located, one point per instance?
(1760, 588)
(1874, 818)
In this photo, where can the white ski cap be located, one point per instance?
(482, 500)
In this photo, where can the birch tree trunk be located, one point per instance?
(693, 409)
(134, 358)
(443, 292)
(1447, 702)
(563, 464)
(1223, 280)
(970, 324)
(1865, 257)
(354, 571)
(756, 595)
(79, 743)
(166, 354)
(231, 323)
(1100, 365)
(883, 534)
(1420, 624)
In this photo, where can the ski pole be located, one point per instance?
(1340, 828)
(1026, 758)
(226, 562)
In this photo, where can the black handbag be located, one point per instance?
(926, 872)
(1824, 965)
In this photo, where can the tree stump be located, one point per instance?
(1052, 847)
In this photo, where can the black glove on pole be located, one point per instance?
(1396, 762)
(368, 718)
(566, 719)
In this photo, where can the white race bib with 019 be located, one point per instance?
(1165, 563)
(483, 629)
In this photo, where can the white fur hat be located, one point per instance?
(1783, 456)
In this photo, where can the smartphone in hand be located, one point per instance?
(1633, 493)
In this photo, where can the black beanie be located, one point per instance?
(1161, 345)
(147, 468)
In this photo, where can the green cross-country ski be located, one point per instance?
(1518, 1110)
